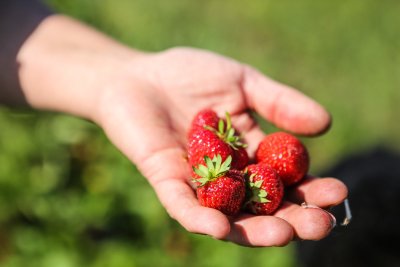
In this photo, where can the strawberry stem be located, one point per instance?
(257, 194)
(213, 169)
(228, 133)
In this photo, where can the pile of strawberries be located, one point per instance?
(222, 174)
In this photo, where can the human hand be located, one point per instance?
(145, 102)
(146, 108)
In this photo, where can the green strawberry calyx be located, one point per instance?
(212, 170)
(258, 194)
(227, 133)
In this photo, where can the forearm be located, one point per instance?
(61, 65)
(64, 64)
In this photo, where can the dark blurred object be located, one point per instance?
(372, 238)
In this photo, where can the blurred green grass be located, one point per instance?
(69, 198)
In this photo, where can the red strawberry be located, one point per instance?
(210, 141)
(286, 154)
(206, 117)
(265, 189)
(206, 143)
(219, 187)
(240, 158)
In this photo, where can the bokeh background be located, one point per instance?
(69, 198)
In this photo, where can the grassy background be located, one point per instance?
(69, 198)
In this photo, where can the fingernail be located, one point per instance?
(309, 206)
(332, 218)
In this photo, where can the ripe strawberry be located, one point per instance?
(286, 154)
(210, 141)
(240, 158)
(206, 143)
(265, 189)
(206, 117)
(219, 187)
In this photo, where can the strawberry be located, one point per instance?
(286, 154)
(219, 187)
(206, 117)
(210, 141)
(241, 158)
(206, 143)
(265, 189)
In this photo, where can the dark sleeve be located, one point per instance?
(18, 19)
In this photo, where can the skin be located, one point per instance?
(145, 101)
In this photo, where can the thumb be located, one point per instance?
(284, 106)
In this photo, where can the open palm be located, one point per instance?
(147, 112)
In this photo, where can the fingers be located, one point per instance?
(180, 202)
(311, 222)
(286, 107)
(260, 231)
(142, 133)
(293, 221)
(170, 182)
(290, 222)
(308, 223)
(168, 173)
(322, 192)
